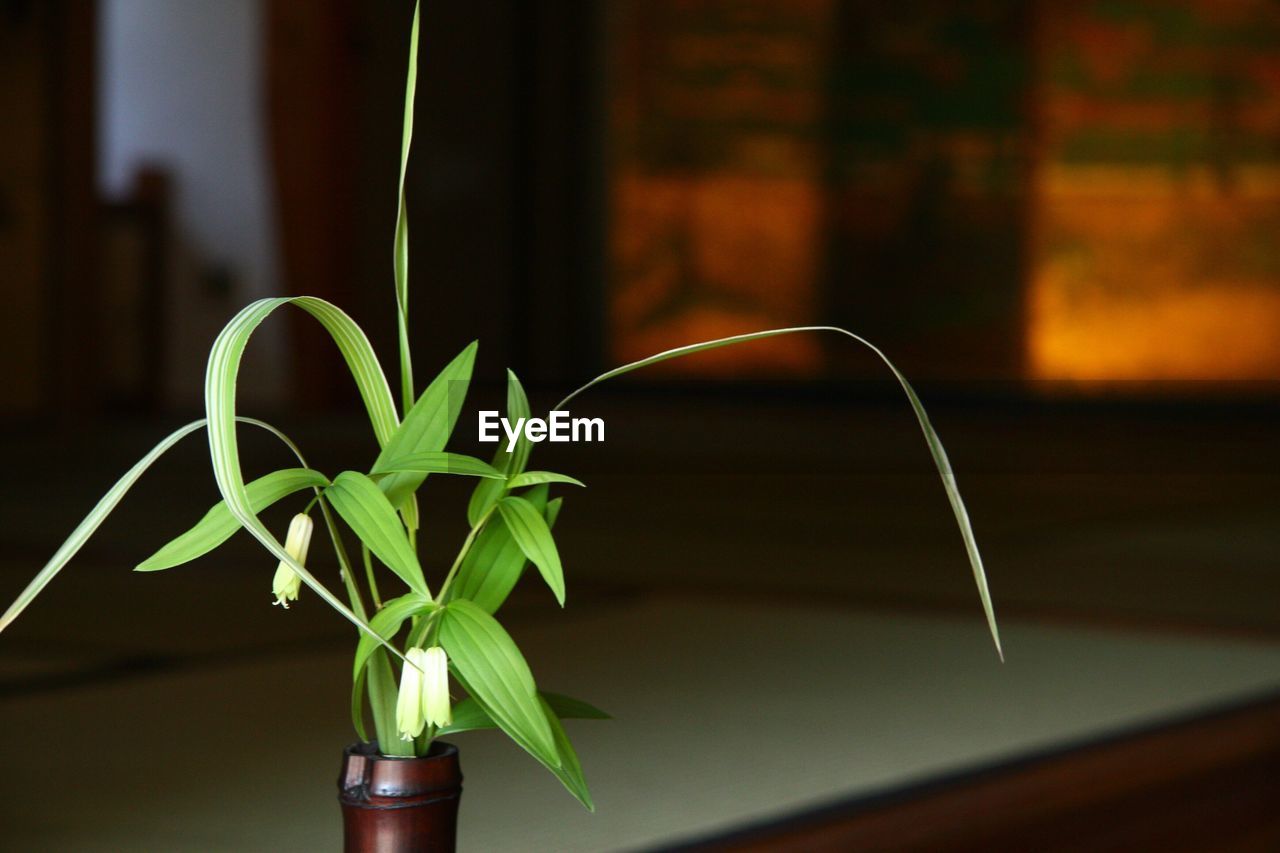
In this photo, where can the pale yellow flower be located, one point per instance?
(409, 718)
(286, 583)
(424, 692)
(435, 687)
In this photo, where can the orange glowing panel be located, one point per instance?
(714, 256)
(1150, 280)
(716, 200)
(1158, 201)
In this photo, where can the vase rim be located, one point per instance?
(369, 750)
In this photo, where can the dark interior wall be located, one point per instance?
(924, 145)
(928, 144)
(500, 184)
(47, 208)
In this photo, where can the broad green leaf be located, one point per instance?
(357, 701)
(383, 689)
(552, 511)
(469, 715)
(387, 622)
(533, 478)
(568, 708)
(570, 770)
(495, 562)
(418, 634)
(427, 426)
(488, 493)
(488, 662)
(219, 524)
(565, 766)
(940, 460)
(375, 678)
(531, 533)
(103, 508)
(400, 253)
(220, 404)
(370, 515)
(440, 462)
(517, 407)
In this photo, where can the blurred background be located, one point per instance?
(1058, 219)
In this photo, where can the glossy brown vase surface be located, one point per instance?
(398, 805)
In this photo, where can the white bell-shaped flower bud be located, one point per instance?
(424, 692)
(435, 687)
(409, 718)
(286, 583)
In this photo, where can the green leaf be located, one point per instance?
(568, 708)
(517, 407)
(440, 462)
(372, 670)
(495, 562)
(383, 690)
(488, 493)
(570, 770)
(533, 478)
(219, 524)
(103, 508)
(220, 404)
(370, 515)
(427, 427)
(400, 253)
(469, 715)
(940, 460)
(553, 511)
(531, 533)
(488, 662)
(386, 624)
(357, 702)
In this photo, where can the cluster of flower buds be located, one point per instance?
(424, 682)
(424, 692)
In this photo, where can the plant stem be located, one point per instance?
(466, 546)
(380, 682)
(368, 571)
(406, 360)
(353, 591)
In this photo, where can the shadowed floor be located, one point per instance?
(726, 714)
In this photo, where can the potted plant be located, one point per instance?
(431, 660)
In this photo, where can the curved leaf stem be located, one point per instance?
(73, 543)
(930, 435)
(368, 573)
(462, 553)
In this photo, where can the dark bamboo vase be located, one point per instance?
(399, 805)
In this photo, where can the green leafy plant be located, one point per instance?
(449, 631)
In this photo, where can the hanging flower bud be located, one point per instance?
(424, 692)
(435, 687)
(409, 719)
(286, 584)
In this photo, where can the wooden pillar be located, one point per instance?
(310, 71)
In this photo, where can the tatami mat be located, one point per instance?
(725, 714)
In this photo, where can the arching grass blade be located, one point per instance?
(99, 514)
(931, 438)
